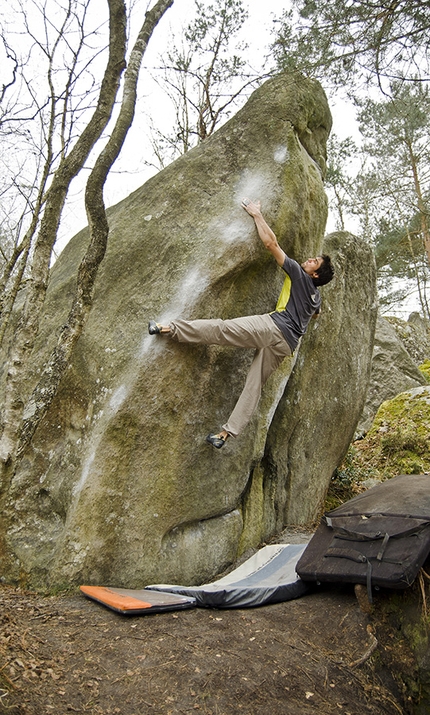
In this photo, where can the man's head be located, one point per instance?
(320, 269)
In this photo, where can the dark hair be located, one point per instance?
(325, 272)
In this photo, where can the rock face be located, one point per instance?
(414, 334)
(398, 441)
(323, 400)
(119, 486)
(393, 367)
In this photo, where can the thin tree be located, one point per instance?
(41, 116)
(14, 434)
(55, 367)
(204, 76)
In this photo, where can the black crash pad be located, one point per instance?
(380, 537)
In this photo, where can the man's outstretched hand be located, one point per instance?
(252, 207)
(264, 231)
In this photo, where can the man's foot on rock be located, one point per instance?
(154, 328)
(216, 440)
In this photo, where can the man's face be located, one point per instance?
(312, 265)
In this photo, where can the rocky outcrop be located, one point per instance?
(118, 485)
(398, 441)
(414, 333)
(323, 400)
(394, 369)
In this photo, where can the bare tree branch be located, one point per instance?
(47, 386)
(55, 197)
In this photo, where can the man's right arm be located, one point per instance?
(264, 231)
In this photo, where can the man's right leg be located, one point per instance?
(256, 331)
(252, 331)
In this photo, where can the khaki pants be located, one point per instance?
(252, 331)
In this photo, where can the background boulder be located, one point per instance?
(118, 486)
(414, 334)
(394, 364)
(398, 441)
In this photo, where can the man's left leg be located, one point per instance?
(258, 332)
(263, 365)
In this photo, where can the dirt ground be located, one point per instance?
(318, 654)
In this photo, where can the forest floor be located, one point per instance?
(320, 654)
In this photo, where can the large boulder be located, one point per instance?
(118, 485)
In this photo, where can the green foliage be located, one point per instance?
(397, 443)
(343, 41)
(394, 248)
(400, 260)
(397, 172)
(390, 195)
(213, 25)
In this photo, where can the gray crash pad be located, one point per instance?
(269, 576)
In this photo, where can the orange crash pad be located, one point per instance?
(134, 602)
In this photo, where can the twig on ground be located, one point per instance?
(373, 646)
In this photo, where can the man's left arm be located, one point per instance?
(264, 231)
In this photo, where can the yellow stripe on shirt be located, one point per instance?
(284, 295)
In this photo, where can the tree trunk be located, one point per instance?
(70, 166)
(420, 201)
(47, 386)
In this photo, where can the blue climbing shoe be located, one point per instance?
(216, 440)
(154, 328)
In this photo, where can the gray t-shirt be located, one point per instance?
(298, 301)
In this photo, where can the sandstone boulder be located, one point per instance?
(414, 334)
(118, 486)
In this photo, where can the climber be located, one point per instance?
(273, 335)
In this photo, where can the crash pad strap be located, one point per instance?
(342, 532)
(381, 551)
(351, 554)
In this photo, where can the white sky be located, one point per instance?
(130, 172)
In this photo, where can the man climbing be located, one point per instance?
(273, 335)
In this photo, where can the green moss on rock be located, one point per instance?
(425, 369)
(400, 434)
(397, 443)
